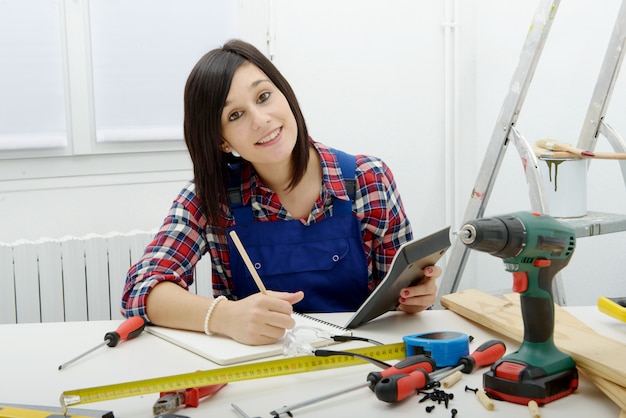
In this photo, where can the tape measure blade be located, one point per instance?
(271, 368)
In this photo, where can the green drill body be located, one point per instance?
(534, 249)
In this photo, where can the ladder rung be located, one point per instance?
(596, 223)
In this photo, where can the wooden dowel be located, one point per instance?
(485, 400)
(533, 408)
(452, 379)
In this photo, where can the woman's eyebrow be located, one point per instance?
(253, 85)
(257, 82)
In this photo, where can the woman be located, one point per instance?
(321, 226)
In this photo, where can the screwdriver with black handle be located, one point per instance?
(397, 387)
(407, 365)
(127, 330)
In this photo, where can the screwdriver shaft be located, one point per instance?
(67, 363)
(240, 411)
(289, 408)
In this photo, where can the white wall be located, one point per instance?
(389, 79)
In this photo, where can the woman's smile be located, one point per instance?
(271, 138)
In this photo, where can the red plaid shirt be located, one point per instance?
(185, 235)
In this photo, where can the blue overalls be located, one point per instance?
(326, 259)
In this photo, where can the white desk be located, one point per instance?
(31, 354)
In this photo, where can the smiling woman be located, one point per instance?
(321, 226)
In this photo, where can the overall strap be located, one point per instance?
(347, 163)
(241, 213)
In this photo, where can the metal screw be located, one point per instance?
(454, 412)
(425, 398)
(467, 388)
(430, 408)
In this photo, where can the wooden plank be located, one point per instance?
(560, 314)
(601, 355)
(613, 391)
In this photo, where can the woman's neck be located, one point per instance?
(300, 199)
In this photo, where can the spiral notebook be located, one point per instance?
(224, 351)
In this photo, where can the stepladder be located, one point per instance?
(505, 132)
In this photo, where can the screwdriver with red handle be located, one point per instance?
(397, 387)
(127, 330)
(405, 366)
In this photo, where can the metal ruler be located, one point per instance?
(270, 368)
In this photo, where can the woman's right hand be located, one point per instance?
(257, 319)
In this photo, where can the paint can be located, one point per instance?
(565, 186)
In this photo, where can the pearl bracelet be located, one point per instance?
(210, 311)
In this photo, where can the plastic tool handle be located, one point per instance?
(486, 354)
(405, 366)
(398, 387)
(128, 330)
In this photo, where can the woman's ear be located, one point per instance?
(228, 149)
(225, 147)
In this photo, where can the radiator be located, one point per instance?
(73, 278)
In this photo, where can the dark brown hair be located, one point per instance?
(205, 94)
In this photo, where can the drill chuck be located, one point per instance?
(502, 237)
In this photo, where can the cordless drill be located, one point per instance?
(534, 248)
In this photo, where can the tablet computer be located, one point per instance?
(407, 269)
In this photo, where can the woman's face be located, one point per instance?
(257, 121)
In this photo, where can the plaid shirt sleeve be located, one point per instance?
(384, 224)
(171, 255)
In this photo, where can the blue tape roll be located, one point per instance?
(445, 347)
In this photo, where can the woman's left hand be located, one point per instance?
(421, 296)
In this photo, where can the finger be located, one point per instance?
(292, 298)
(432, 271)
(425, 287)
(275, 332)
(423, 299)
(412, 309)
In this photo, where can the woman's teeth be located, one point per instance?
(270, 137)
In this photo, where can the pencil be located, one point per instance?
(246, 259)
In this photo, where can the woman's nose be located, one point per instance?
(259, 118)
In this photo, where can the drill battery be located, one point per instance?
(521, 383)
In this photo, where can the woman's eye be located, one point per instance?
(234, 116)
(264, 96)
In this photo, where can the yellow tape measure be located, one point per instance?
(271, 368)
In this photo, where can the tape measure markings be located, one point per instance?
(270, 368)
